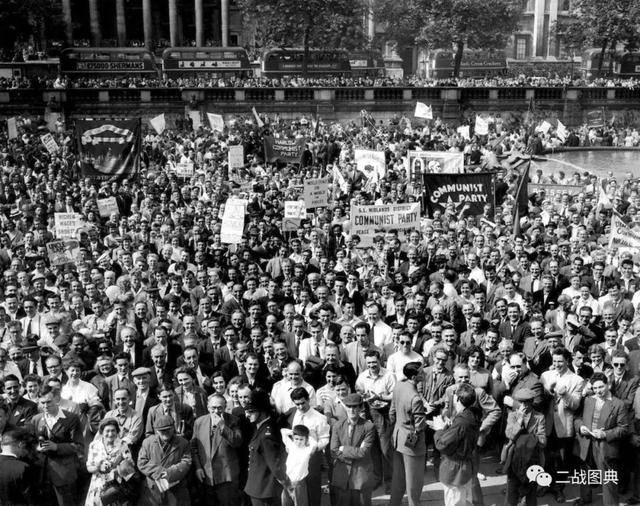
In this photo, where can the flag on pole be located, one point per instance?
(543, 127)
(158, 123)
(482, 126)
(423, 111)
(12, 128)
(216, 121)
(259, 122)
(522, 200)
(562, 131)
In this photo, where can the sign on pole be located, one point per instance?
(236, 156)
(184, 169)
(63, 252)
(482, 126)
(233, 222)
(196, 120)
(368, 221)
(294, 211)
(50, 143)
(107, 207)
(423, 111)
(159, 123)
(66, 225)
(315, 192)
(216, 121)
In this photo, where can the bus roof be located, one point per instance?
(132, 50)
(202, 49)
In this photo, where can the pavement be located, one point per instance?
(493, 488)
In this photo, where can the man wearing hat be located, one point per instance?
(266, 475)
(165, 461)
(144, 398)
(351, 442)
(526, 437)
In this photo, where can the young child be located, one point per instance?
(299, 447)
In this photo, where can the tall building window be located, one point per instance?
(521, 48)
(529, 5)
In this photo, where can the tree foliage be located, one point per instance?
(594, 23)
(460, 24)
(23, 19)
(307, 23)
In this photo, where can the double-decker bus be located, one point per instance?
(366, 64)
(474, 64)
(320, 62)
(591, 67)
(108, 61)
(206, 62)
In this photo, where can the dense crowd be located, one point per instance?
(302, 366)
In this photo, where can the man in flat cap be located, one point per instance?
(165, 461)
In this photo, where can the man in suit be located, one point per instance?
(17, 477)
(165, 461)
(597, 281)
(514, 328)
(235, 367)
(121, 379)
(130, 345)
(518, 377)
(351, 441)
(181, 414)
(602, 427)
(407, 416)
(547, 296)
(214, 448)
(144, 398)
(21, 410)
(60, 435)
(266, 476)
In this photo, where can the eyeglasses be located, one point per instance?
(618, 364)
(405, 342)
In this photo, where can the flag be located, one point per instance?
(12, 128)
(522, 200)
(543, 127)
(259, 122)
(562, 131)
(467, 193)
(216, 121)
(605, 196)
(158, 123)
(423, 111)
(482, 126)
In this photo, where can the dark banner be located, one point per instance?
(283, 150)
(108, 148)
(468, 192)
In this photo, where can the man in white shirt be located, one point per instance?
(312, 346)
(79, 391)
(32, 323)
(281, 391)
(382, 333)
(403, 356)
(318, 431)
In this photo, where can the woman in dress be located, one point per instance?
(112, 468)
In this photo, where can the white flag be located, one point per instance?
(423, 111)
(158, 123)
(12, 128)
(259, 122)
(216, 121)
(543, 127)
(196, 120)
(562, 131)
(464, 131)
(482, 126)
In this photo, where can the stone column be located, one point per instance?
(552, 46)
(94, 22)
(538, 28)
(68, 21)
(224, 22)
(121, 23)
(147, 23)
(199, 23)
(173, 23)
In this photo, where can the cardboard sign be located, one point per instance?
(63, 252)
(50, 143)
(159, 123)
(67, 225)
(294, 211)
(12, 128)
(108, 206)
(216, 121)
(555, 189)
(236, 157)
(233, 222)
(368, 221)
(184, 169)
(315, 192)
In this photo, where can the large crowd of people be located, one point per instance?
(302, 366)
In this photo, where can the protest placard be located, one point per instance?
(369, 162)
(184, 169)
(233, 222)
(63, 252)
(236, 157)
(50, 143)
(556, 189)
(368, 221)
(294, 211)
(315, 192)
(66, 225)
(107, 207)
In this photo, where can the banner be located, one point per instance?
(216, 121)
(315, 192)
(368, 221)
(551, 190)
(107, 207)
(63, 252)
(463, 191)
(543, 127)
(236, 156)
(464, 132)
(622, 236)
(595, 119)
(433, 162)
(196, 119)
(158, 123)
(283, 150)
(12, 128)
(423, 111)
(294, 211)
(50, 143)
(184, 169)
(482, 126)
(233, 221)
(108, 148)
(66, 225)
(371, 163)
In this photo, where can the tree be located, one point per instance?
(450, 23)
(307, 23)
(593, 23)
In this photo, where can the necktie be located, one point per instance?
(316, 350)
(33, 368)
(29, 327)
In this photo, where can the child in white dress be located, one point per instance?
(299, 447)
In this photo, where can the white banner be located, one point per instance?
(233, 222)
(107, 207)
(315, 192)
(66, 225)
(562, 131)
(295, 209)
(196, 120)
(464, 132)
(12, 128)
(216, 121)
(368, 221)
(433, 162)
(482, 126)
(371, 163)
(184, 169)
(50, 143)
(543, 127)
(236, 156)
(423, 111)
(63, 252)
(158, 123)
(621, 235)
